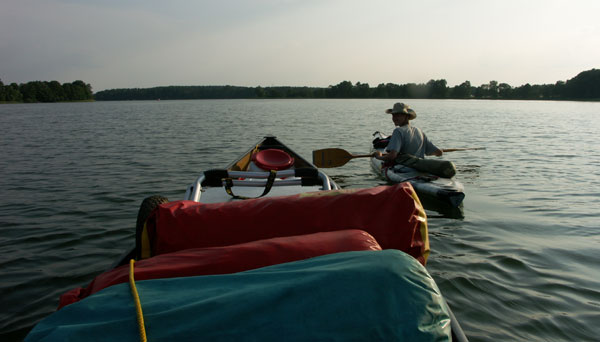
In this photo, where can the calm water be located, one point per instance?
(522, 265)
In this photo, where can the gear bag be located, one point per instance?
(440, 168)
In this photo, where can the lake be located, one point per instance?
(523, 264)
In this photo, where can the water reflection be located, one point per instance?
(438, 209)
(518, 262)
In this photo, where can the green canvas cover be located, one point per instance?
(438, 167)
(351, 296)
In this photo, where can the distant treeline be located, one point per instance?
(43, 91)
(585, 86)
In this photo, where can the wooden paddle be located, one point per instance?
(462, 149)
(334, 157)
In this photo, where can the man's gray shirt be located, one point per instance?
(411, 140)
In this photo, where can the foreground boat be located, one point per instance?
(446, 191)
(301, 261)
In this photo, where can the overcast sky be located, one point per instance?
(147, 43)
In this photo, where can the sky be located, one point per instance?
(147, 43)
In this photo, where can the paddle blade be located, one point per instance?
(331, 157)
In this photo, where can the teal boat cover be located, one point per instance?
(350, 296)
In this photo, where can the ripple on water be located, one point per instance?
(519, 265)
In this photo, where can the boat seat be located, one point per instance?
(215, 177)
(226, 179)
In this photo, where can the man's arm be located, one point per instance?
(430, 148)
(390, 156)
(437, 152)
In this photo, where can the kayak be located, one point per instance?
(269, 246)
(447, 191)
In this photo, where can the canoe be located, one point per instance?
(446, 191)
(269, 246)
(250, 173)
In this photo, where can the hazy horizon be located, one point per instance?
(142, 44)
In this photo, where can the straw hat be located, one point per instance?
(402, 109)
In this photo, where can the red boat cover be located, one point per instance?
(230, 259)
(392, 214)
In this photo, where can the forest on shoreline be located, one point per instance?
(583, 87)
(44, 91)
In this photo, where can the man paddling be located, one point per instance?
(406, 138)
(409, 145)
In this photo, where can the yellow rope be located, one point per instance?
(138, 305)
